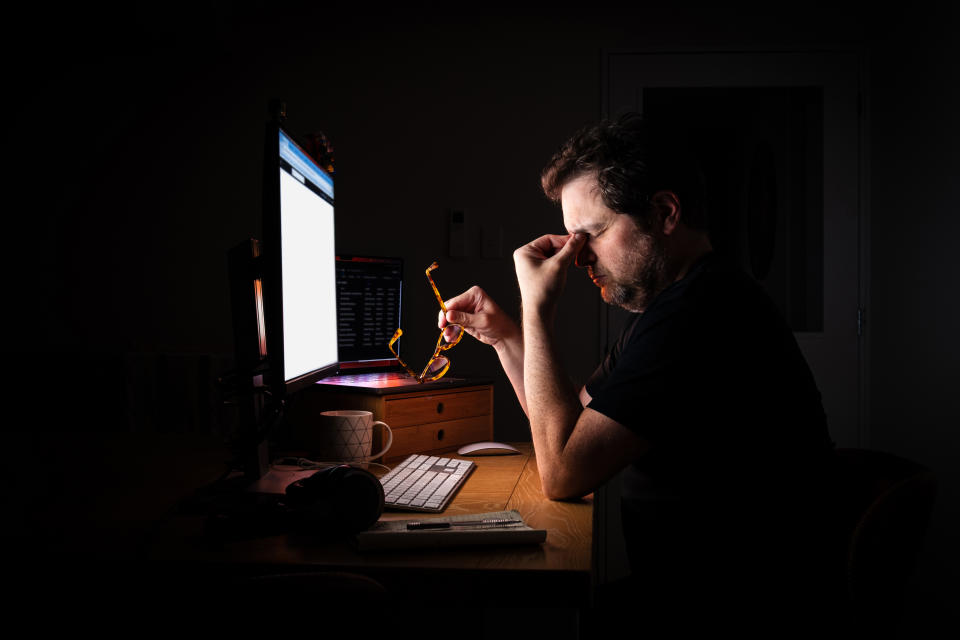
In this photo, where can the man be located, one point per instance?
(705, 402)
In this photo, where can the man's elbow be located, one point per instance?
(559, 489)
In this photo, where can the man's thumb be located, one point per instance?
(572, 247)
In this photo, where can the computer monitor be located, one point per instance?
(299, 265)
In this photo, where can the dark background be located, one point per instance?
(134, 139)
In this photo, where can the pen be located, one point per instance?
(464, 523)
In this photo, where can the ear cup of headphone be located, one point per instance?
(338, 499)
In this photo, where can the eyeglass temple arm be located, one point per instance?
(396, 336)
(434, 286)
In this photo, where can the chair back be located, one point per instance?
(886, 504)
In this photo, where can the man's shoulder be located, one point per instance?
(718, 272)
(717, 298)
(702, 290)
(722, 289)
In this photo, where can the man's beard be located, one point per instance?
(650, 279)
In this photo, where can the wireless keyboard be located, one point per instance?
(425, 483)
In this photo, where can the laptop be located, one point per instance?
(369, 303)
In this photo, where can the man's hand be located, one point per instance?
(479, 316)
(542, 270)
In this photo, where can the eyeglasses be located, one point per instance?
(438, 365)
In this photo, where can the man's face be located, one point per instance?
(627, 264)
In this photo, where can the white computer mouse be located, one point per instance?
(487, 449)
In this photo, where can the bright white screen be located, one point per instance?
(309, 279)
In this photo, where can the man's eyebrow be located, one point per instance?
(593, 226)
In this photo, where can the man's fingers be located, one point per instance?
(460, 317)
(548, 245)
(469, 299)
(453, 317)
(571, 247)
(463, 309)
(471, 323)
(563, 248)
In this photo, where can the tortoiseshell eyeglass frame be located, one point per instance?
(439, 364)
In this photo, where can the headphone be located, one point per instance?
(338, 499)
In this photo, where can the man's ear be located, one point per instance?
(667, 206)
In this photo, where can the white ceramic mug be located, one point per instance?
(345, 436)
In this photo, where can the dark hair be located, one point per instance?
(631, 160)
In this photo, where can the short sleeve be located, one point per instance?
(639, 385)
(602, 373)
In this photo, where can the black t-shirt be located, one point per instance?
(711, 376)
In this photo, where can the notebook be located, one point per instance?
(369, 305)
(494, 528)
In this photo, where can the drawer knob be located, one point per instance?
(440, 434)
(439, 407)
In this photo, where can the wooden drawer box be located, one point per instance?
(437, 407)
(422, 421)
(437, 437)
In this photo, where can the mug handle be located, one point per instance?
(386, 447)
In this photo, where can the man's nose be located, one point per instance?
(585, 257)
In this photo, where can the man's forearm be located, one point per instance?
(511, 357)
(552, 404)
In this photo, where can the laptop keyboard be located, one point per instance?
(387, 379)
(372, 377)
(425, 483)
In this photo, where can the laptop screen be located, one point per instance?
(369, 295)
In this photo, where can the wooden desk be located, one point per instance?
(555, 573)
